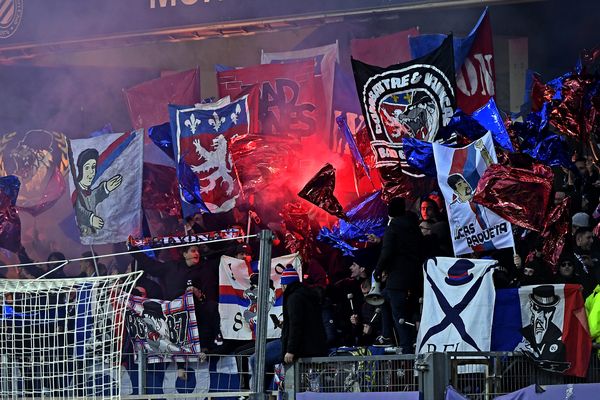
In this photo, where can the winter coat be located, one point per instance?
(303, 334)
(401, 254)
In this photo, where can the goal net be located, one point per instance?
(62, 338)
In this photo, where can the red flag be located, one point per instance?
(259, 159)
(55, 187)
(324, 58)
(384, 50)
(576, 332)
(518, 195)
(148, 102)
(10, 224)
(160, 190)
(291, 101)
(475, 81)
(556, 229)
(319, 191)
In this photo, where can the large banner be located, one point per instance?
(106, 186)
(474, 228)
(325, 59)
(474, 62)
(414, 99)
(238, 297)
(148, 102)
(166, 330)
(547, 323)
(201, 135)
(39, 158)
(458, 304)
(291, 96)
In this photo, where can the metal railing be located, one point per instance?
(217, 376)
(494, 374)
(395, 373)
(479, 376)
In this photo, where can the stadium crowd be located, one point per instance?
(326, 308)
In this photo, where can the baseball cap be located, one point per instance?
(581, 220)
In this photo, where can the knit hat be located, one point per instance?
(289, 275)
(581, 220)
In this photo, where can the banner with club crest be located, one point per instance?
(414, 99)
(238, 296)
(166, 330)
(201, 135)
(39, 158)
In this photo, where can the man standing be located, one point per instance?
(177, 276)
(303, 334)
(399, 267)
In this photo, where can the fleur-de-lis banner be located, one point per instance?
(201, 137)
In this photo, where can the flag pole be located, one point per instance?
(94, 258)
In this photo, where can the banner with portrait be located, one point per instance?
(106, 186)
(238, 297)
(165, 330)
(547, 323)
(474, 228)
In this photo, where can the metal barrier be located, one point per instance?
(395, 373)
(479, 376)
(217, 376)
(493, 374)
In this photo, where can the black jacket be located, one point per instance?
(303, 333)
(401, 253)
(175, 276)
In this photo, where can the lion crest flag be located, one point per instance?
(458, 304)
(201, 135)
(238, 297)
(106, 186)
(414, 99)
(474, 228)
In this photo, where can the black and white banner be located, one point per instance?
(413, 99)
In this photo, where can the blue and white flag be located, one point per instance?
(474, 228)
(458, 304)
(106, 186)
(238, 297)
(201, 135)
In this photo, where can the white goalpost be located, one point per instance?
(62, 338)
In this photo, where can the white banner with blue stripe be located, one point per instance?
(238, 296)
